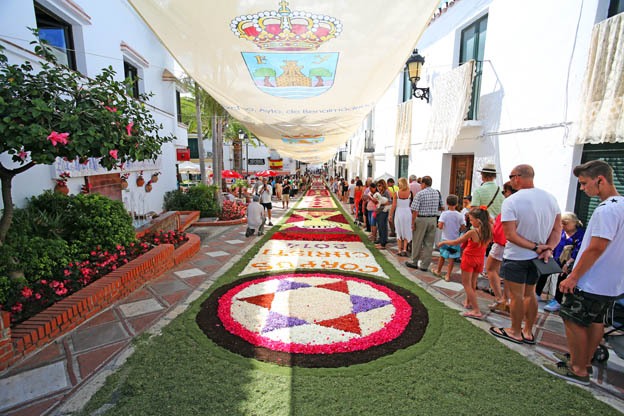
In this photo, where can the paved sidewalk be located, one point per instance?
(607, 379)
(58, 378)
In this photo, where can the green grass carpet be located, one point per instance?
(455, 369)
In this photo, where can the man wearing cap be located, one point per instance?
(255, 217)
(488, 194)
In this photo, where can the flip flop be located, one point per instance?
(503, 335)
(527, 340)
(471, 315)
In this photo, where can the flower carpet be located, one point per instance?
(337, 306)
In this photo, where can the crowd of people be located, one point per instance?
(510, 234)
(262, 194)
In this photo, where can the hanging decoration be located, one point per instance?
(296, 72)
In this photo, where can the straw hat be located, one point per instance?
(488, 168)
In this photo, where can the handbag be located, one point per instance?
(566, 253)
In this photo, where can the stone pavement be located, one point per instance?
(61, 377)
(607, 379)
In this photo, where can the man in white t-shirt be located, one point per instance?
(255, 217)
(597, 277)
(265, 192)
(532, 224)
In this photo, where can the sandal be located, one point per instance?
(503, 335)
(468, 314)
(436, 274)
(530, 341)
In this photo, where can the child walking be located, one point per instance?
(451, 223)
(476, 241)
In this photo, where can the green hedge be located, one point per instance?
(200, 198)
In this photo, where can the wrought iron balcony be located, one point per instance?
(369, 143)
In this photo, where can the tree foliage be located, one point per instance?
(53, 111)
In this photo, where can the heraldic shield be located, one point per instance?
(292, 75)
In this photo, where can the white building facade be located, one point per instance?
(523, 103)
(95, 35)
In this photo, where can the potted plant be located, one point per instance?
(86, 188)
(148, 187)
(61, 183)
(140, 181)
(124, 180)
(155, 177)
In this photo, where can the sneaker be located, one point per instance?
(561, 370)
(552, 306)
(565, 358)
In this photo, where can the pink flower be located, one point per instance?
(22, 154)
(112, 110)
(60, 291)
(113, 154)
(129, 128)
(66, 272)
(55, 137)
(37, 296)
(17, 307)
(27, 292)
(43, 282)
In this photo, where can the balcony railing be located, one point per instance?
(369, 143)
(342, 156)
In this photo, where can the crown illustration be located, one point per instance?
(285, 30)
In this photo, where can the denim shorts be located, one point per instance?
(371, 219)
(583, 308)
(523, 272)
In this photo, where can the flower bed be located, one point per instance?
(232, 210)
(69, 312)
(37, 296)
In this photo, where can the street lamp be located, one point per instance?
(414, 66)
(243, 137)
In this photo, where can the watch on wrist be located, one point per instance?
(536, 247)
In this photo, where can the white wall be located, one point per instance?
(98, 34)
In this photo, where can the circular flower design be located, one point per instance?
(313, 316)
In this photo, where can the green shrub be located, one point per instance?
(96, 220)
(200, 198)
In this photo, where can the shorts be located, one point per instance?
(471, 264)
(496, 252)
(267, 205)
(523, 272)
(584, 308)
(371, 219)
(351, 200)
(286, 197)
(450, 252)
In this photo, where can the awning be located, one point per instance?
(301, 74)
(450, 93)
(602, 100)
(188, 167)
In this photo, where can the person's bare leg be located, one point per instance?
(578, 337)
(471, 295)
(530, 311)
(440, 265)
(373, 232)
(492, 266)
(269, 214)
(596, 332)
(449, 270)
(516, 291)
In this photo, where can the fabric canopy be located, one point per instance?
(451, 94)
(301, 75)
(602, 103)
(403, 136)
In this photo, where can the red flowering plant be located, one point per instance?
(176, 238)
(232, 211)
(124, 176)
(33, 297)
(63, 177)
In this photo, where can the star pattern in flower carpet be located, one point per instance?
(286, 307)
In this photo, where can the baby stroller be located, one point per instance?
(614, 336)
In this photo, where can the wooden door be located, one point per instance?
(461, 175)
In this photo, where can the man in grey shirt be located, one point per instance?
(255, 217)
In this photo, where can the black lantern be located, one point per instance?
(414, 66)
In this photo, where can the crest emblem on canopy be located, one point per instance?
(288, 65)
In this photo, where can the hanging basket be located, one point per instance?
(148, 187)
(124, 184)
(140, 181)
(61, 188)
(155, 178)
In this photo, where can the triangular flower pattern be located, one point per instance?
(288, 285)
(362, 304)
(261, 300)
(340, 286)
(347, 323)
(277, 321)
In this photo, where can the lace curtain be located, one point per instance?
(403, 136)
(602, 97)
(451, 94)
